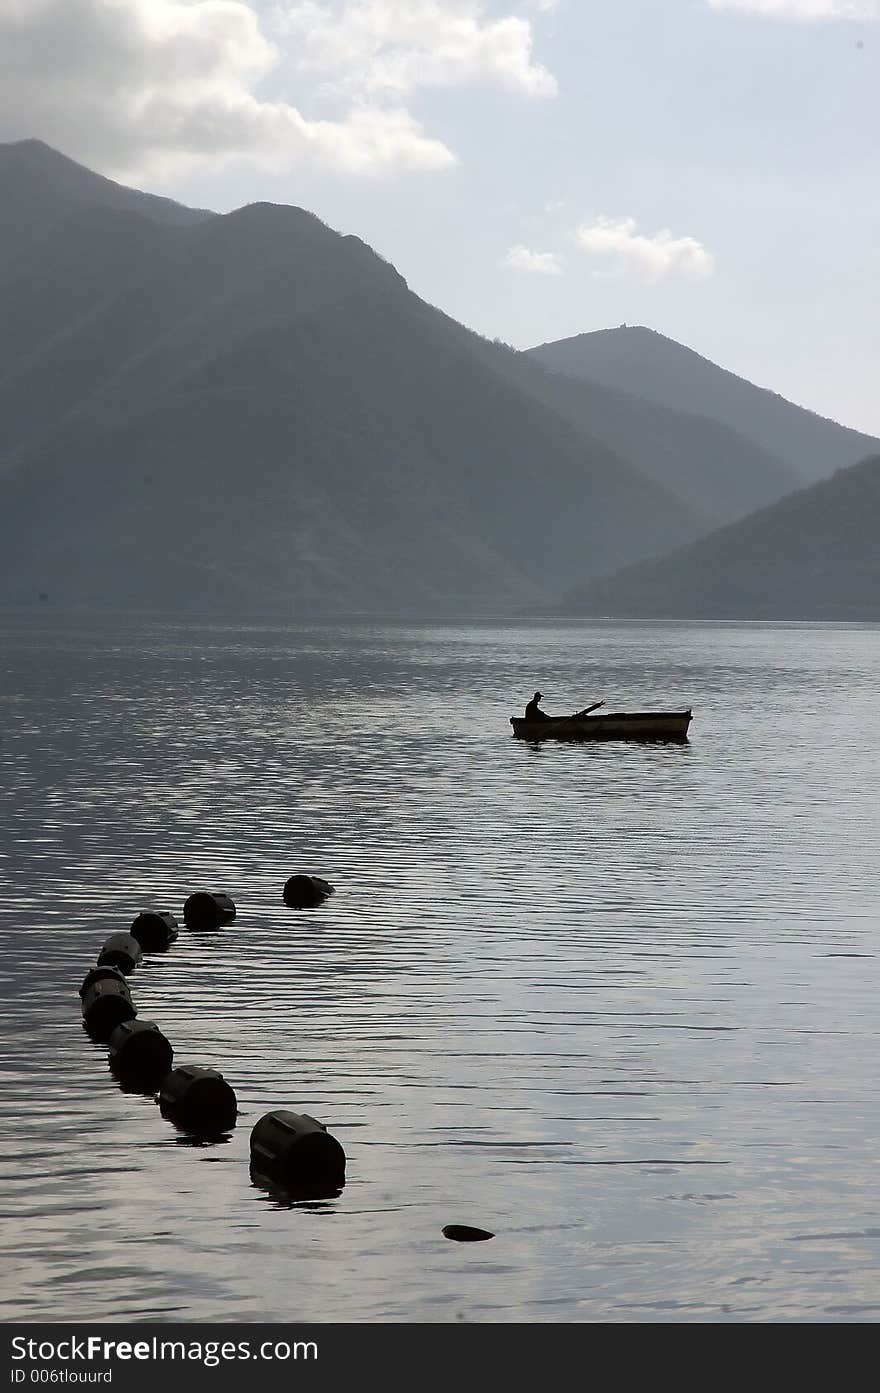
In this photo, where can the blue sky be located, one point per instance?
(536, 169)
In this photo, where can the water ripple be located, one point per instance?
(557, 988)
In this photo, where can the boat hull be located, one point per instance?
(620, 725)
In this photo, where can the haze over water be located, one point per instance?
(616, 1003)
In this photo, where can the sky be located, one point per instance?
(536, 168)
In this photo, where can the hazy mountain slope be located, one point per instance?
(142, 515)
(67, 275)
(435, 407)
(719, 471)
(178, 298)
(649, 365)
(70, 241)
(42, 187)
(254, 412)
(813, 555)
(345, 459)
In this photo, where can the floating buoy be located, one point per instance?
(122, 951)
(105, 973)
(198, 1100)
(306, 891)
(140, 1054)
(463, 1233)
(297, 1152)
(106, 1004)
(208, 910)
(155, 930)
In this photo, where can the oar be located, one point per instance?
(595, 707)
(579, 714)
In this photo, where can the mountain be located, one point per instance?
(720, 472)
(813, 555)
(40, 186)
(252, 412)
(649, 365)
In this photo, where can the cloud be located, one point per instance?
(804, 9)
(519, 258)
(137, 86)
(392, 47)
(650, 258)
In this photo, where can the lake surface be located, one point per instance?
(617, 1004)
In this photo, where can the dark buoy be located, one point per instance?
(198, 1100)
(306, 891)
(297, 1152)
(208, 910)
(155, 930)
(462, 1233)
(140, 1054)
(122, 951)
(106, 1004)
(105, 973)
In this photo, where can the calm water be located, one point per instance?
(618, 1004)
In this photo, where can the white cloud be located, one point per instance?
(520, 258)
(650, 258)
(804, 9)
(392, 47)
(150, 85)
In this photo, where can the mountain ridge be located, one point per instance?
(649, 364)
(259, 378)
(253, 410)
(814, 554)
(32, 169)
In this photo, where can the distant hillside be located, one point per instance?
(649, 365)
(720, 472)
(253, 412)
(41, 186)
(814, 555)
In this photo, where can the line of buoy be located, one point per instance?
(140, 1056)
(289, 1151)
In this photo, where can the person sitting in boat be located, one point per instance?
(533, 710)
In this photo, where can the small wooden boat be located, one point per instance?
(618, 725)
